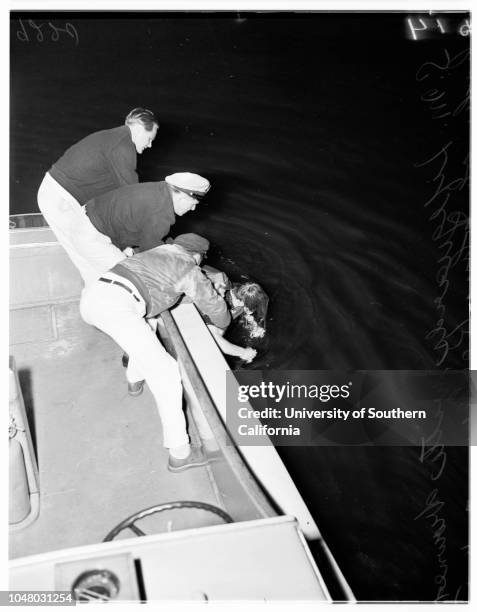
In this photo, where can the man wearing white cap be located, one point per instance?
(143, 286)
(141, 215)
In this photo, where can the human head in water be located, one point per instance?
(253, 299)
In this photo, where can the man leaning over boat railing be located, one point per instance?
(139, 288)
(98, 211)
(97, 164)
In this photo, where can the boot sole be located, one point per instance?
(188, 466)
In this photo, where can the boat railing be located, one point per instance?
(27, 221)
(251, 481)
(213, 432)
(45, 288)
(24, 489)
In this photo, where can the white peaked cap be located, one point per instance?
(189, 182)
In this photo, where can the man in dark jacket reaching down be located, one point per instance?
(141, 215)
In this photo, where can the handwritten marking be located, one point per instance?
(45, 31)
(465, 29)
(414, 29)
(431, 25)
(431, 512)
(440, 70)
(436, 452)
(451, 232)
(450, 228)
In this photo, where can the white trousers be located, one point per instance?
(115, 311)
(91, 251)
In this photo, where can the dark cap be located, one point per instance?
(193, 243)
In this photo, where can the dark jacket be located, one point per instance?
(101, 162)
(164, 274)
(137, 215)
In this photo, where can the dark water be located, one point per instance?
(311, 129)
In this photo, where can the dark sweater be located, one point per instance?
(101, 162)
(135, 215)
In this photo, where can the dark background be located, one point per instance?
(314, 130)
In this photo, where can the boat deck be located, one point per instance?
(100, 453)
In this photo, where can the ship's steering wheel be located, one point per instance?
(128, 523)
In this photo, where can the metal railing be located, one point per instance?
(26, 221)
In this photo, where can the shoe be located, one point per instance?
(136, 388)
(125, 360)
(195, 458)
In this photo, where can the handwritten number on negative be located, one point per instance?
(41, 31)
